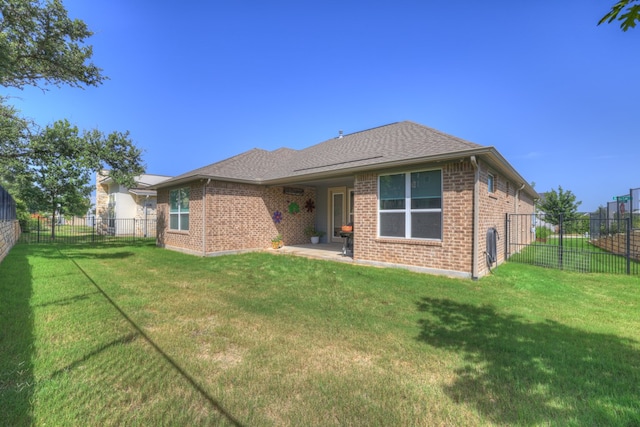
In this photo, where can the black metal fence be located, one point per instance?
(87, 230)
(7, 206)
(590, 243)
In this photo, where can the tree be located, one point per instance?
(59, 179)
(39, 43)
(625, 11)
(40, 46)
(556, 203)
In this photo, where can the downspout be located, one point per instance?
(476, 218)
(517, 202)
(146, 200)
(204, 217)
(518, 197)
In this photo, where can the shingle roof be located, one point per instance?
(385, 144)
(396, 142)
(252, 165)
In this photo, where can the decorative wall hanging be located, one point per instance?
(293, 191)
(310, 205)
(277, 217)
(294, 208)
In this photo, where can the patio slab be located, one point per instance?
(328, 251)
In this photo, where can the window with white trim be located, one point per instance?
(179, 209)
(410, 205)
(491, 183)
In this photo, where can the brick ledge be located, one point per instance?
(408, 242)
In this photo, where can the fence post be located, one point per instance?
(507, 254)
(560, 237)
(38, 234)
(628, 245)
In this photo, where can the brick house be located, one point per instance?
(417, 198)
(127, 211)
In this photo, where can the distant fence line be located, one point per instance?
(624, 204)
(87, 230)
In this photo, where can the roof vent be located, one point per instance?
(340, 134)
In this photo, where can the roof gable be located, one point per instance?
(395, 142)
(252, 165)
(400, 143)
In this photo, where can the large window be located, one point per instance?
(411, 205)
(179, 209)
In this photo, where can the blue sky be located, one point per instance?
(196, 82)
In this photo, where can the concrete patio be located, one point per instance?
(328, 251)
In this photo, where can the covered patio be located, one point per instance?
(327, 251)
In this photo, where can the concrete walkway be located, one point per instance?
(328, 251)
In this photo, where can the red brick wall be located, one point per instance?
(9, 234)
(238, 217)
(454, 253)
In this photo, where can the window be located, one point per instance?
(179, 209)
(491, 183)
(411, 205)
(111, 211)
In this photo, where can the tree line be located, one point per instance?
(51, 169)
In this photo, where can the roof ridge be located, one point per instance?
(373, 128)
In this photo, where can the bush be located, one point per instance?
(542, 233)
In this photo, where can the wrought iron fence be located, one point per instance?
(591, 243)
(89, 229)
(7, 206)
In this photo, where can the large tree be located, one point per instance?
(40, 44)
(625, 11)
(59, 179)
(561, 203)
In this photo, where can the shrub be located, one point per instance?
(542, 233)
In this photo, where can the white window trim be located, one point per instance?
(407, 206)
(491, 183)
(180, 213)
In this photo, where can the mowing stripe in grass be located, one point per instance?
(168, 358)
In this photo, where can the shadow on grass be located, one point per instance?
(66, 301)
(92, 251)
(16, 340)
(122, 340)
(519, 372)
(139, 332)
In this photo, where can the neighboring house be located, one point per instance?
(125, 211)
(417, 198)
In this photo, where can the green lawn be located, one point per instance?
(577, 254)
(137, 335)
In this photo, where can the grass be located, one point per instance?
(577, 254)
(137, 335)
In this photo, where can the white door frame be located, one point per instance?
(345, 216)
